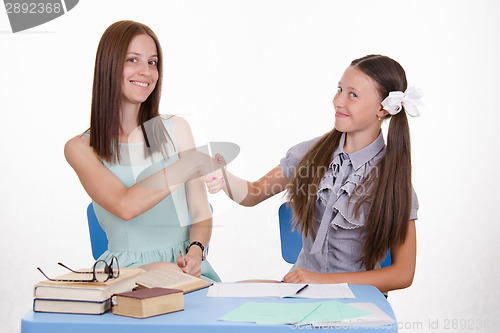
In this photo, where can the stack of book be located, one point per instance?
(95, 297)
(82, 297)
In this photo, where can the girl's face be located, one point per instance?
(357, 103)
(140, 71)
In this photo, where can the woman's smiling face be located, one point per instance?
(140, 71)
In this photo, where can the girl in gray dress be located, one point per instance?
(350, 192)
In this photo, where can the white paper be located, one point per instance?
(378, 318)
(281, 290)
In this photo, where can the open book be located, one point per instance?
(167, 278)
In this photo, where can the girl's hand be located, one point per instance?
(214, 181)
(301, 275)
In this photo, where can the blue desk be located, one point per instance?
(199, 316)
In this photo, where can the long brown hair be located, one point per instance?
(107, 92)
(389, 184)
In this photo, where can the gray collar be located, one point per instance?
(361, 157)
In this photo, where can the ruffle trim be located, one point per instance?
(343, 216)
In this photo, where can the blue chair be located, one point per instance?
(387, 261)
(291, 241)
(98, 238)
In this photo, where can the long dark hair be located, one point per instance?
(107, 93)
(389, 184)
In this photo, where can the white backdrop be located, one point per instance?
(263, 74)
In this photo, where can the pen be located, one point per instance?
(304, 287)
(182, 258)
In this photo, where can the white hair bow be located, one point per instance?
(410, 99)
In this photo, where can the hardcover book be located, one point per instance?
(148, 302)
(68, 306)
(86, 291)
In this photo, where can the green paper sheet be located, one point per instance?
(293, 313)
(270, 313)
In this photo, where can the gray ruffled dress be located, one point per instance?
(336, 242)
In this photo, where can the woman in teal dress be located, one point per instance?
(139, 167)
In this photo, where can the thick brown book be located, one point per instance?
(168, 278)
(86, 291)
(148, 302)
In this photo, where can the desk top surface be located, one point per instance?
(200, 315)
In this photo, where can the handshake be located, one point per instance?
(196, 164)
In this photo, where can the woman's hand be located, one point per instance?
(301, 275)
(190, 263)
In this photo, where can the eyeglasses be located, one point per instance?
(111, 271)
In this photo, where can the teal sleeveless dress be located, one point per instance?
(159, 233)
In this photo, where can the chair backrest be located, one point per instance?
(387, 261)
(98, 238)
(291, 241)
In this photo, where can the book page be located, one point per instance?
(167, 278)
